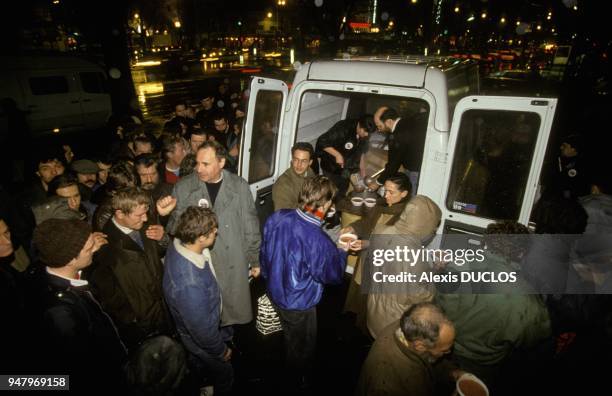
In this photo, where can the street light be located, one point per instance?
(456, 9)
(269, 15)
(177, 24)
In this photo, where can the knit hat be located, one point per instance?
(60, 240)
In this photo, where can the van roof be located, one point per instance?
(42, 62)
(404, 71)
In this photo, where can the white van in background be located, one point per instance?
(482, 155)
(58, 93)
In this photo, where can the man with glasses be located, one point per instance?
(286, 190)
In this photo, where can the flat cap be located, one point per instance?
(84, 166)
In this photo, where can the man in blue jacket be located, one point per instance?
(297, 259)
(194, 298)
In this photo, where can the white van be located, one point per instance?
(58, 94)
(482, 155)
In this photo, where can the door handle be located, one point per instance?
(265, 194)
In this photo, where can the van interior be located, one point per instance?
(319, 111)
(492, 156)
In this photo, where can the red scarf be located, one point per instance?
(318, 212)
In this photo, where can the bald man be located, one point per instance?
(401, 359)
(406, 144)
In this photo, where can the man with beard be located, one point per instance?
(86, 172)
(147, 168)
(406, 143)
(148, 175)
(401, 361)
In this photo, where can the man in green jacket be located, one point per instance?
(403, 358)
(287, 188)
(501, 327)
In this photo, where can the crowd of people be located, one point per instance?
(132, 270)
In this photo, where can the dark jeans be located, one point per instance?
(300, 333)
(217, 372)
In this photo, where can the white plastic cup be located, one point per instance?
(479, 387)
(346, 240)
(370, 202)
(357, 201)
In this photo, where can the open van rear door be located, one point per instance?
(261, 140)
(495, 154)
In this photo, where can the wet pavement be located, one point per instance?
(341, 350)
(159, 88)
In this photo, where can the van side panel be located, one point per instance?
(435, 82)
(95, 100)
(433, 166)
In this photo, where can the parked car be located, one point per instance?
(518, 82)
